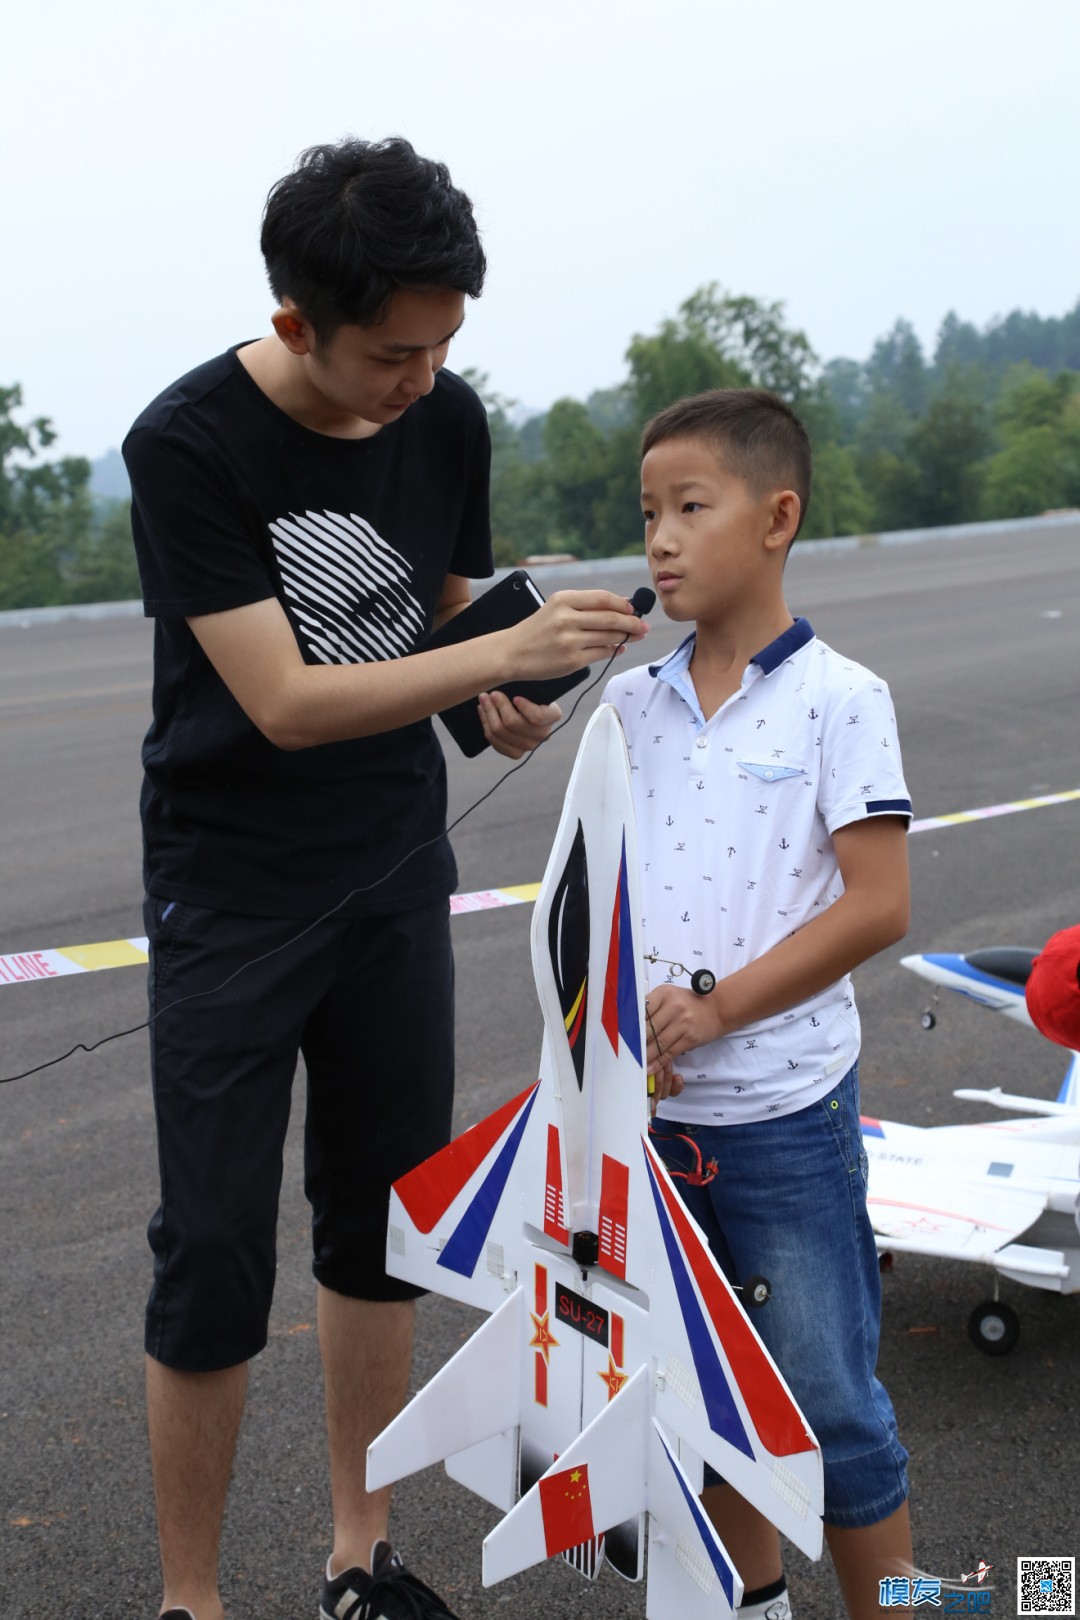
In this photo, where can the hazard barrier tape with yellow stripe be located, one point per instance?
(23, 966)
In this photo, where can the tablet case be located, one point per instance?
(504, 605)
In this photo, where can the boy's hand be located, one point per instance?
(677, 1021)
(514, 728)
(664, 1082)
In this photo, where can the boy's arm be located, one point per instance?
(872, 912)
(298, 705)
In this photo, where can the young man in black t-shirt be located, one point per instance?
(306, 508)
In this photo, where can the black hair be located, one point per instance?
(754, 433)
(355, 221)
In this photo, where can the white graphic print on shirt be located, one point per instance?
(347, 587)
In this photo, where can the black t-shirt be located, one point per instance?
(234, 502)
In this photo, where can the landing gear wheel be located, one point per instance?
(756, 1291)
(993, 1328)
(702, 983)
(928, 1019)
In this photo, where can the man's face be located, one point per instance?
(377, 372)
(704, 529)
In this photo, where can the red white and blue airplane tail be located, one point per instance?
(616, 1359)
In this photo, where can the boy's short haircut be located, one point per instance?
(753, 433)
(354, 222)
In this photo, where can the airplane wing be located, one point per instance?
(456, 1220)
(960, 1220)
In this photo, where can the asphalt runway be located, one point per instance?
(979, 639)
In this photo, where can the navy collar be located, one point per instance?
(768, 659)
(778, 651)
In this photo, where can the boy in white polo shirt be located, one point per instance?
(772, 815)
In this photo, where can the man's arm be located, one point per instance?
(298, 705)
(872, 912)
(455, 598)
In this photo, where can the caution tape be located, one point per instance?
(23, 966)
(989, 810)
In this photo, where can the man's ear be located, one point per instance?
(784, 514)
(295, 332)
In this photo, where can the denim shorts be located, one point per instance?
(368, 1003)
(788, 1202)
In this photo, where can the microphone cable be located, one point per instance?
(641, 601)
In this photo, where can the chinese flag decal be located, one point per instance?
(566, 1507)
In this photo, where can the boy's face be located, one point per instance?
(376, 372)
(711, 543)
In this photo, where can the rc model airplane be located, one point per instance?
(616, 1358)
(969, 1192)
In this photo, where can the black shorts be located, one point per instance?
(368, 1002)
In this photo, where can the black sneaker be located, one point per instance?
(390, 1592)
(177, 1614)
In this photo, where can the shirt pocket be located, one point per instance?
(770, 770)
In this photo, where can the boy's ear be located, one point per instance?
(294, 331)
(785, 509)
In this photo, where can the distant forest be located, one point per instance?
(988, 426)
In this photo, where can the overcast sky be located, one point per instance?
(857, 161)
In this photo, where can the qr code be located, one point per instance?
(1045, 1586)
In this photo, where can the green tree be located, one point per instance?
(719, 341)
(897, 367)
(102, 566)
(579, 468)
(848, 392)
(45, 509)
(522, 514)
(838, 502)
(1038, 464)
(958, 343)
(947, 446)
(1031, 398)
(1027, 476)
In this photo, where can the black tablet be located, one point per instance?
(504, 605)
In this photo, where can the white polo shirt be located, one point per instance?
(735, 816)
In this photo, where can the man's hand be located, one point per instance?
(515, 728)
(677, 1021)
(572, 628)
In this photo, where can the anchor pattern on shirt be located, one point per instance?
(761, 862)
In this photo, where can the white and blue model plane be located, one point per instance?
(1004, 1194)
(616, 1358)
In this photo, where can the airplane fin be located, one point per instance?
(690, 1573)
(476, 1396)
(598, 1482)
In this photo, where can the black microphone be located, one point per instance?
(643, 601)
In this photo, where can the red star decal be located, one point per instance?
(543, 1338)
(613, 1378)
